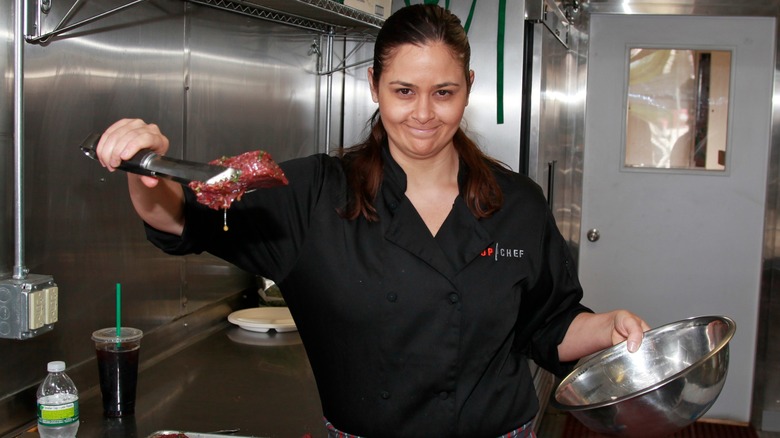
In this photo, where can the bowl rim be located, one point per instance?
(732, 326)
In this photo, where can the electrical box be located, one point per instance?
(28, 307)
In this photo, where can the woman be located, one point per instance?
(421, 274)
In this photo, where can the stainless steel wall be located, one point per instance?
(558, 107)
(217, 83)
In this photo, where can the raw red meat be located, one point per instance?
(257, 170)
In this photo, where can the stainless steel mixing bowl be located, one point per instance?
(671, 381)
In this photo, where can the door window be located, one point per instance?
(677, 109)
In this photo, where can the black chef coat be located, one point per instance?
(408, 335)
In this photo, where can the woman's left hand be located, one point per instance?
(628, 327)
(592, 332)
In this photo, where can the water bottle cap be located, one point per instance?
(56, 366)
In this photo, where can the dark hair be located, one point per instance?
(419, 25)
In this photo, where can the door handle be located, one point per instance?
(593, 235)
(551, 183)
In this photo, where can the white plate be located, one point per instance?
(267, 339)
(262, 319)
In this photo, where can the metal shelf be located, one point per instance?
(318, 15)
(325, 16)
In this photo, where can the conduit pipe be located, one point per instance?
(19, 271)
(329, 89)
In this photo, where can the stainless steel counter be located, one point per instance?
(259, 383)
(202, 374)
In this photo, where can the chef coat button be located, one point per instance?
(385, 395)
(454, 298)
(444, 395)
(391, 296)
(393, 205)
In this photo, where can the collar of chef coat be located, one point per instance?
(460, 239)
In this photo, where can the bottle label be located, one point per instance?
(58, 415)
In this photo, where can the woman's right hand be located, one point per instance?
(122, 140)
(160, 203)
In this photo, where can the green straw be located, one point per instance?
(118, 309)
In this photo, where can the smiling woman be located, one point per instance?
(408, 330)
(422, 96)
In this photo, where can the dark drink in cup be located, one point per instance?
(117, 358)
(118, 378)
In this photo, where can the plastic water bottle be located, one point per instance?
(58, 404)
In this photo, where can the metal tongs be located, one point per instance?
(149, 163)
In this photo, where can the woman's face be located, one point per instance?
(422, 94)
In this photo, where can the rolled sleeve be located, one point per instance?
(556, 302)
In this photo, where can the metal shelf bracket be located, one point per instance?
(35, 8)
(342, 66)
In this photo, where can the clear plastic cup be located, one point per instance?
(117, 358)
